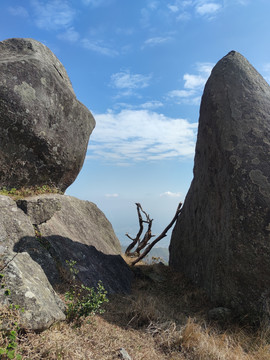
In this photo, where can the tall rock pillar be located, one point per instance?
(222, 237)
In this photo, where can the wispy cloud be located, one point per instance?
(185, 10)
(96, 3)
(141, 135)
(149, 105)
(70, 35)
(154, 41)
(181, 93)
(193, 85)
(18, 11)
(193, 81)
(208, 8)
(53, 14)
(99, 47)
(111, 195)
(172, 194)
(127, 83)
(146, 12)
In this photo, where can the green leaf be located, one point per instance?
(3, 351)
(11, 354)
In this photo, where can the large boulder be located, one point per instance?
(38, 235)
(80, 232)
(27, 282)
(30, 289)
(44, 129)
(222, 237)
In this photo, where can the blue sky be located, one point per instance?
(140, 66)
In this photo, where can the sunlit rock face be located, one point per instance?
(44, 129)
(222, 237)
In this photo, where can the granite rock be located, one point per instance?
(44, 129)
(222, 237)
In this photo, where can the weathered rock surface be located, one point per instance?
(44, 129)
(38, 235)
(79, 231)
(43, 232)
(39, 210)
(222, 237)
(30, 288)
(26, 280)
(14, 225)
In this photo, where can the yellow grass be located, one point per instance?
(164, 318)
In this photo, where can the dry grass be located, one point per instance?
(24, 192)
(164, 318)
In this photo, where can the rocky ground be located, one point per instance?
(164, 317)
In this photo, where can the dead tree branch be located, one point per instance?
(161, 236)
(137, 238)
(144, 243)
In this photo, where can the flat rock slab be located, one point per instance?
(222, 237)
(44, 129)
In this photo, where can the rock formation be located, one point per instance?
(222, 237)
(38, 235)
(28, 285)
(44, 132)
(44, 129)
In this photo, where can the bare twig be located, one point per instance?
(137, 238)
(161, 236)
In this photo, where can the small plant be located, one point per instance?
(9, 329)
(83, 301)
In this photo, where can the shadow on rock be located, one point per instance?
(52, 252)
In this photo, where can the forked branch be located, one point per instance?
(144, 243)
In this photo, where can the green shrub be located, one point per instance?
(81, 300)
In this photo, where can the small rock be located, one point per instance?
(123, 354)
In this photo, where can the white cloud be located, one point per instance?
(152, 105)
(111, 195)
(18, 11)
(184, 16)
(193, 81)
(70, 35)
(184, 10)
(98, 47)
(204, 67)
(157, 41)
(53, 14)
(173, 8)
(141, 135)
(208, 8)
(171, 194)
(181, 93)
(126, 80)
(193, 85)
(149, 105)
